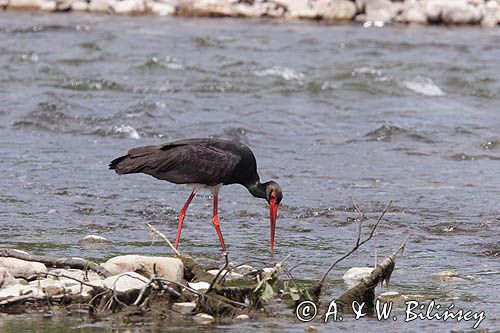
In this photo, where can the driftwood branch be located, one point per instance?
(159, 234)
(75, 263)
(315, 290)
(364, 292)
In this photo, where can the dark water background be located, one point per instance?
(403, 113)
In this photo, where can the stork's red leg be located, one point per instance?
(182, 215)
(215, 221)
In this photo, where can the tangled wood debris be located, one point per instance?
(230, 291)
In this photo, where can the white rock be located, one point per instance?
(433, 10)
(93, 239)
(79, 289)
(213, 7)
(335, 9)
(79, 6)
(25, 4)
(19, 290)
(448, 275)
(184, 307)
(491, 14)
(298, 9)
(244, 269)
(460, 12)
(6, 279)
(267, 269)
(66, 274)
(199, 286)
(412, 13)
(381, 10)
(203, 318)
(389, 294)
(22, 268)
(125, 282)
(129, 7)
(101, 5)
(229, 276)
(242, 317)
(354, 275)
(160, 8)
(166, 267)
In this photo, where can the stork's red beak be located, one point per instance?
(273, 208)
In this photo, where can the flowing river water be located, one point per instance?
(403, 113)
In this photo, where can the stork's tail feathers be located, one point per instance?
(115, 164)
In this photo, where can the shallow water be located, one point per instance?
(402, 113)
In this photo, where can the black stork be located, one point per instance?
(203, 163)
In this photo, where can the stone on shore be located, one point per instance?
(26, 4)
(125, 282)
(335, 9)
(412, 13)
(491, 14)
(166, 267)
(161, 8)
(203, 318)
(6, 279)
(184, 308)
(22, 268)
(242, 317)
(461, 12)
(129, 7)
(228, 275)
(199, 286)
(298, 9)
(104, 6)
(381, 10)
(80, 6)
(19, 290)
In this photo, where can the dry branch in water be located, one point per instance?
(76, 263)
(364, 292)
(315, 290)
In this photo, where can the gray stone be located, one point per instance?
(412, 13)
(460, 12)
(101, 5)
(80, 6)
(491, 14)
(166, 267)
(125, 282)
(335, 9)
(184, 308)
(229, 276)
(19, 290)
(199, 286)
(448, 275)
(244, 269)
(25, 4)
(354, 275)
(22, 268)
(160, 8)
(381, 10)
(203, 318)
(129, 7)
(433, 10)
(67, 274)
(298, 9)
(6, 279)
(94, 239)
(242, 317)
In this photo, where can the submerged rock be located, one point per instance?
(184, 308)
(166, 267)
(125, 282)
(448, 275)
(94, 239)
(22, 268)
(354, 275)
(203, 318)
(242, 317)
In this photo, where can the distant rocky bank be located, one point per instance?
(369, 12)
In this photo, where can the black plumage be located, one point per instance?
(209, 162)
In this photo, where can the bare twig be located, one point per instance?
(57, 262)
(358, 244)
(219, 272)
(157, 233)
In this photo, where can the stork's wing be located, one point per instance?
(181, 162)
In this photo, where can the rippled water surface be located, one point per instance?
(408, 114)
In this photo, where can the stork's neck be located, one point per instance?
(257, 189)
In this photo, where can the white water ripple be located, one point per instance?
(424, 86)
(127, 129)
(283, 72)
